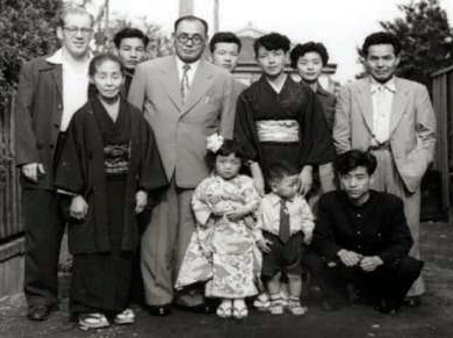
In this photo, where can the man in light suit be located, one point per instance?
(185, 99)
(394, 119)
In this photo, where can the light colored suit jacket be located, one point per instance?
(412, 126)
(181, 128)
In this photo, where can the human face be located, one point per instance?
(108, 79)
(228, 166)
(272, 62)
(287, 187)
(357, 184)
(189, 40)
(310, 67)
(381, 62)
(226, 55)
(131, 52)
(76, 34)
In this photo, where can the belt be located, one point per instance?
(380, 146)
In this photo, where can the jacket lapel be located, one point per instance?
(199, 86)
(398, 104)
(170, 80)
(366, 102)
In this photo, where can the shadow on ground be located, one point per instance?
(433, 319)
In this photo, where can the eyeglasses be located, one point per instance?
(74, 30)
(196, 39)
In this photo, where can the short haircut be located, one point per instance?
(191, 18)
(226, 37)
(301, 50)
(128, 33)
(71, 9)
(278, 171)
(272, 41)
(381, 38)
(228, 147)
(95, 62)
(352, 159)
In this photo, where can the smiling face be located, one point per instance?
(272, 62)
(189, 40)
(381, 62)
(108, 79)
(309, 66)
(357, 184)
(131, 52)
(228, 166)
(226, 54)
(76, 34)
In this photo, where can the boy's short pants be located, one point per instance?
(283, 257)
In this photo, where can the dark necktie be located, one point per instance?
(284, 222)
(185, 81)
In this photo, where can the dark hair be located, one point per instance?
(272, 41)
(381, 38)
(191, 18)
(278, 171)
(226, 37)
(352, 159)
(127, 33)
(301, 50)
(228, 147)
(96, 62)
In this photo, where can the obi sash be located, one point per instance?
(281, 131)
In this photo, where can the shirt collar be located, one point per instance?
(389, 85)
(57, 57)
(275, 199)
(180, 64)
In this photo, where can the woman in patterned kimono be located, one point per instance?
(109, 164)
(223, 250)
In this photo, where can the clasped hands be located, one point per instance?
(366, 263)
(233, 214)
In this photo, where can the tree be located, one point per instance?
(426, 38)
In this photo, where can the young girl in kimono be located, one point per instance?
(223, 250)
(108, 165)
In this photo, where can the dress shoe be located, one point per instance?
(159, 310)
(386, 307)
(39, 312)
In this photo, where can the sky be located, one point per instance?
(341, 25)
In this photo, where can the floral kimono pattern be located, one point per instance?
(223, 252)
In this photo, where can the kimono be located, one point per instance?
(106, 162)
(223, 252)
(282, 127)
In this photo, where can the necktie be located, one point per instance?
(284, 222)
(185, 81)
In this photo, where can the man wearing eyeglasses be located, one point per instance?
(50, 90)
(185, 99)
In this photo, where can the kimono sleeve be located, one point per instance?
(71, 173)
(200, 207)
(244, 128)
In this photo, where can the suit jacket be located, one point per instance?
(378, 227)
(181, 128)
(412, 126)
(38, 111)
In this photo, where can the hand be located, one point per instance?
(236, 213)
(258, 178)
(264, 245)
(32, 171)
(78, 208)
(306, 179)
(370, 263)
(349, 258)
(141, 200)
(308, 237)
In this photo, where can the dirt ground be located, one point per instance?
(434, 318)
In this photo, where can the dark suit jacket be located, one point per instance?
(38, 111)
(378, 227)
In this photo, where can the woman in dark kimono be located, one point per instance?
(109, 164)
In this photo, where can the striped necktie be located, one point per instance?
(185, 81)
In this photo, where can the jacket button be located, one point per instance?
(60, 106)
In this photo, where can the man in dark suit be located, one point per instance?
(185, 99)
(50, 90)
(364, 239)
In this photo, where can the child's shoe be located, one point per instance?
(262, 302)
(225, 309)
(127, 316)
(284, 295)
(276, 307)
(295, 308)
(240, 310)
(93, 320)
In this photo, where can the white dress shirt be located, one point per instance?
(382, 97)
(190, 73)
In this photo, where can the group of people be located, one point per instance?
(216, 191)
